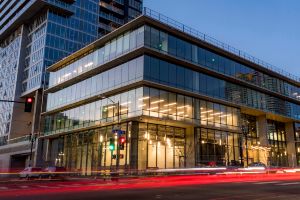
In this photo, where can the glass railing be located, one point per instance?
(20, 139)
(111, 18)
(206, 38)
(119, 1)
(106, 27)
(61, 4)
(112, 8)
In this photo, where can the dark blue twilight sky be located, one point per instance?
(266, 29)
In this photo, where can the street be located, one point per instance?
(274, 186)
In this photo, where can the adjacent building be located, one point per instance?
(35, 34)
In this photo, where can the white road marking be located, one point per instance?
(292, 183)
(24, 186)
(3, 188)
(45, 186)
(63, 185)
(262, 183)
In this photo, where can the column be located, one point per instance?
(37, 111)
(262, 128)
(41, 156)
(134, 139)
(290, 140)
(190, 147)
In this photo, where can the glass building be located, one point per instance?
(178, 98)
(35, 34)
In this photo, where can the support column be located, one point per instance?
(36, 159)
(37, 111)
(291, 148)
(134, 139)
(262, 128)
(42, 148)
(190, 147)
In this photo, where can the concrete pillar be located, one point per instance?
(190, 147)
(134, 139)
(291, 148)
(40, 152)
(262, 129)
(37, 111)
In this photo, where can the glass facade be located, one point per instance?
(182, 49)
(129, 72)
(9, 60)
(148, 102)
(277, 141)
(111, 50)
(87, 152)
(223, 148)
(166, 73)
(95, 113)
(297, 143)
(161, 125)
(35, 49)
(169, 105)
(54, 35)
(160, 147)
(215, 147)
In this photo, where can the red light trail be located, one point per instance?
(143, 183)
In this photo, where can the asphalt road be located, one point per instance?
(170, 188)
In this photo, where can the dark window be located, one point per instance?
(180, 48)
(163, 72)
(172, 45)
(180, 77)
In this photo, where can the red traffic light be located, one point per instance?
(122, 140)
(28, 104)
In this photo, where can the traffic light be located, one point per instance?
(28, 104)
(111, 144)
(121, 142)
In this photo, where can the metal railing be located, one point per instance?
(20, 139)
(206, 38)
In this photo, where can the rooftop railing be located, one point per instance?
(206, 38)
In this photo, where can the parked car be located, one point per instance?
(54, 172)
(257, 165)
(31, 172)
